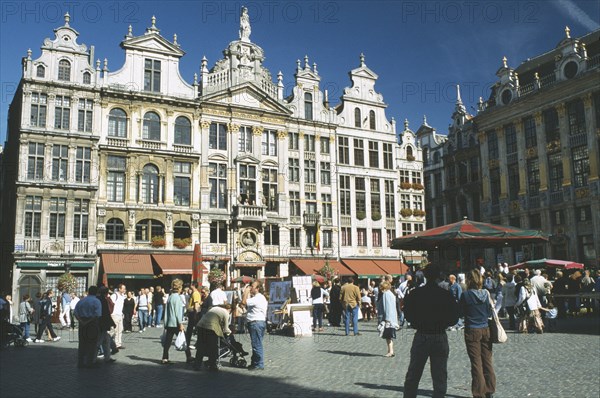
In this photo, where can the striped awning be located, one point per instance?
(174, 264)
(127, 266)
(364, 268)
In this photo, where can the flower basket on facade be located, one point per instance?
(410, 158)
(376, 216)
(67, 283)
(158, 241)
(182, 243)
(361, 215)
(216, 276)
(419, 213)
(327, 271)
(406, 212)
(405, 185)
(417, 186)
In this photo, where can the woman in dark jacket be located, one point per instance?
(476, 309)
(128, 309)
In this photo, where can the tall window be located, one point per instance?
(416, 177)
(147, 229)
(117, 123)
(530, 133)
(81, 212)
(83, 164)
(115, 230)
(405, 201)
(409, 153)
(372, 124)
(39, 103)
(346, 236)
(581, 165)
(183, 131)
(62, 112)
(217, 178)
(361, 202)
(390, 235)
(60, 161)
(271, 235)
(294, 170)
(376, 237)
(533, 177)
(388, 157)
(374, 154)
(406, 228)
(495, 185)
(513, 181)
(151, 130)
(327, 239)
(326, 208)
(310, 173)
(33, 216)
(357, 118)
(308, 106)
(345, 208)
(245, 142)
(309, 143)
(115, 180)
(493, 145)
(437, 184)
(40, 71)
(325, 145)
(510, 134)
(182, 230)
(295, 237)
(551, 125)
(64, 70)
(359, 152)
(35, 161)
(311, 202)
(343, 150)
(87, 78)
(576, 115)
(182, 172)
(404, 176)
(152, 75)
(218, 232)
(58, 208)
(269, 143)
(217, 136)
(417, 202)
(474, 167)
(293, 141)
(150, 183)
(269, 180)
(325, 173)
(375, 197)
(390, 201)
(295, 203)
(84, 115)
(555, 172)
(361, 236)
(248, 183)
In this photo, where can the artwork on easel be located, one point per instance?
(279, 291)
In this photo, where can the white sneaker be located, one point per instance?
(39, 341)
(56, 338)
(29, 339)
(192, 347)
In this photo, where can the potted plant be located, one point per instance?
(182, 243)
(376, 216)
(327, 271)
(158, 241)
(419, 213)
(417, 186)
(410, 158)
(405, 185)
(361, 215)
(67, 283)
(406, 212)
(216, 276)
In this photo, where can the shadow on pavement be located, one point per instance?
(350, 353)
(424, 393)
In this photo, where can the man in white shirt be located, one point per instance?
(218, 296)
(118, 299)
(256, 319)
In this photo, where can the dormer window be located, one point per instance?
(506, 97)
(570, 69)
(372, 124)
(308, 106)
(64, 70)
(40, 71)
(357, 118)
(152, 75)
(87, 78)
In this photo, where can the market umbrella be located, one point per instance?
(244, 279)
(197, 264)
(467, 233)
(547, 263)
(318, 278)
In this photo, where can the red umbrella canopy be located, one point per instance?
(244, 279)
(467, 233)
(548, 263)
(197, 264)
(318, 278)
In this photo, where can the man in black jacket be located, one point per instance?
(430, 310)
(335, 310)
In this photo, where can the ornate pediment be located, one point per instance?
(246, 158)
(247, 95)
(153, 42)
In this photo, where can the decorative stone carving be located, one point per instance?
(205, 124)
(131, 214)
(282, 135)
(531, 152)
(248, 239)
(233, 128)
(249, 256)
(257, 130)
(538, 118)
(332, 138)
(301, 135)
(169, 221)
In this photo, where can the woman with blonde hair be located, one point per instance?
(386, 310)
(317, 294)
(173, 318)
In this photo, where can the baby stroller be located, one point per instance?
(13, 334)
(228, 345)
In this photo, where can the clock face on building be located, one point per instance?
(506, 97)
(570, 70)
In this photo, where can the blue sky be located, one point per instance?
(419, 49)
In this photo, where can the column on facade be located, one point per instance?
(92, 223)
(169, 182)
(233, 130)
(282, 196)
(592, 137)
(161, 187)
(101, 175)
(45, 221)
(133, 124)
(503, 166)
(563, 123)
(485, 170)
(139, 198)
(73, 122)
(200, 187)
(20, 218)
(130, 231)
(169, 229)
(23, 155)
(69, 217)
(47, 176)
(521, 154)
(131, 181)
(50, 118)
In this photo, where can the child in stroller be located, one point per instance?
(228, 345)
(12, 334)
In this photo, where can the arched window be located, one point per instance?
(357, 118)
(151, 126)
(115, 230)
(183, 131)
(30, 285)
(308, 106)
(436, 157)
(182, 230)
(64, 70)
(409, 151)
(372, 124)
(87, 78)
(147, 229)
(117, 123)
(425, 155)
(150, 183)
(40, 71)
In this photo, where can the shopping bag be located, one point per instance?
(180, 343)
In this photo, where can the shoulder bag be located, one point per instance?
(497, 333)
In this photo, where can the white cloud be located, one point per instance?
(578, 14)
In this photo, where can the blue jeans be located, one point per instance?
(257, 332)
(143, 318)
(159, 313)
(318, 315)
(25, 326)
(351, 312)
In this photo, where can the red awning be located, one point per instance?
(127, 265)
(174, 264)
(364, 268)
(392, 267)
(311, 265)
